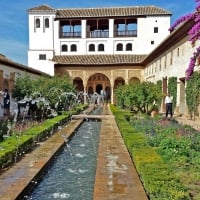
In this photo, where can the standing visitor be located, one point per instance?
(6, 103)
(168, 104)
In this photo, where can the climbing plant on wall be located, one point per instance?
(172, 88)
(159, 86)
(193, 94)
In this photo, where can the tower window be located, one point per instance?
(42, 56)
(129, 47)
(64, 48)
(119, 47)
(46, 22)
(155, 29)
(91, 47)
(73, 48)
(101, 47)
(37, 23)
(152, 42)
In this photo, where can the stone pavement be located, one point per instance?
(187, 121)
(116, 176)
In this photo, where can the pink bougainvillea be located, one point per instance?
(194, 35)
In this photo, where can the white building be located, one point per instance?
(93, 31)
(100, 48)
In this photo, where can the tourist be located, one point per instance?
(6, 103)
(168, 103)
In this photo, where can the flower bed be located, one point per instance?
(165, 153)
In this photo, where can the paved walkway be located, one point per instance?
(116, 176)
(186, 120)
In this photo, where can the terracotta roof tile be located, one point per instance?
(103, 12)
(99, 59)
(41, 8)
(108, 12)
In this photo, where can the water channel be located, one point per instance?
(72, 173)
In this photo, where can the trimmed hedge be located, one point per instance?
(13, 147)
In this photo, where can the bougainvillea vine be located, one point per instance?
(194, 35)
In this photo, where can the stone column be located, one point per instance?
(84, 92)
(83, 29)
(112, 95)
(126, 76)
(111, 28)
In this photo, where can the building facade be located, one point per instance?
(99, 48)
(171, 59)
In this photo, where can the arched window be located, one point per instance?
(91, 47)
(129, 47)
(119, 47)
(101, 47)
(46, 22)
(73, 47)
(37, 23)
(64, 48)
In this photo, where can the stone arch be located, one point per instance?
(98, 89)
(78, 84)
(118, 81)
(134, 80)
(97, 82)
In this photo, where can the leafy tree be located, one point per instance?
(194, 35)
(24, 86)
(53, 90)
(138, 97)
(46, 85)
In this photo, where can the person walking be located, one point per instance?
(168, 105)
(6, 103)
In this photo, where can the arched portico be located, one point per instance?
(98, 82)
(78, 84)
(134, 80)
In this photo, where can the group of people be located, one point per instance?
(6, 104)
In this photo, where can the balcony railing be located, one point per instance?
(127, 33)
(98, 34)
(70, 35)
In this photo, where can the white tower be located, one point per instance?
(41, 38)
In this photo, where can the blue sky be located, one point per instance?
(14, 18)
